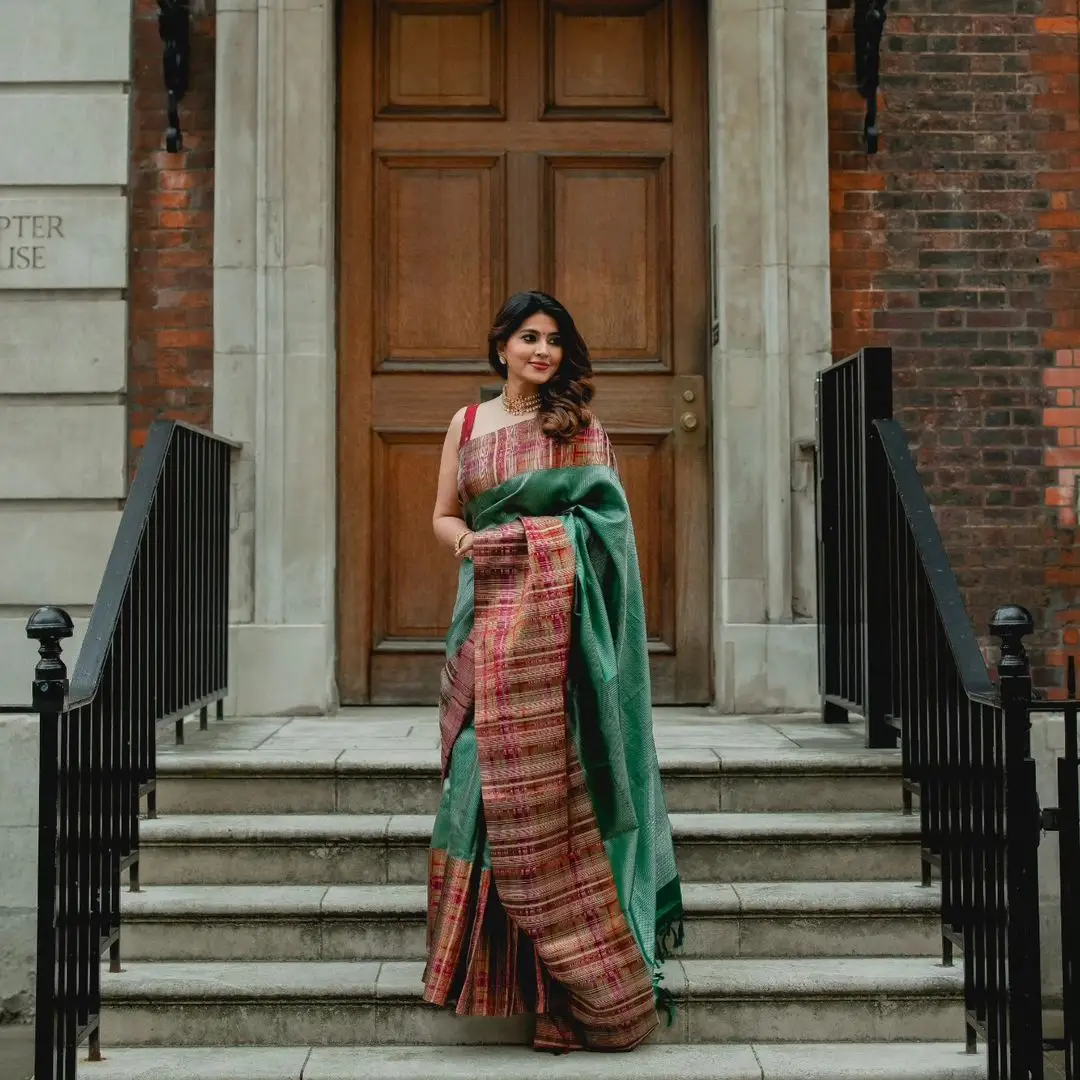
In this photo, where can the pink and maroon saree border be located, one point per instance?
(552, 880)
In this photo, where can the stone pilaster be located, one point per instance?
(769, 191)
(274, 363)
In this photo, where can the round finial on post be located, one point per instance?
(49, 622)
(1010, 625)
(48, 626)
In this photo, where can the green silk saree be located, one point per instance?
(552, 881)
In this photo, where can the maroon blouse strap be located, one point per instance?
(467, 425)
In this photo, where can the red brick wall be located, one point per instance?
(172, 237)
(957, 246)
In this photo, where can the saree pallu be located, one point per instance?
(552, 886)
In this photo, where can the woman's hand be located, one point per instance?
(464, 545)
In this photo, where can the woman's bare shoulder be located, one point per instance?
(457, 421)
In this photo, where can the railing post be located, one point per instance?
(1011, 624)
(48, 626)
(826, 532)
(876, 404)
(1068, 815)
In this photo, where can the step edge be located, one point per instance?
(248, 765)
(164, 909)
(416, 828)
(924, 981)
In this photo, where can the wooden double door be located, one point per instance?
(488, 146)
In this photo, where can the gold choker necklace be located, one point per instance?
(520, 406)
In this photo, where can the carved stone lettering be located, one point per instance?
(64, 241)
(25, 240)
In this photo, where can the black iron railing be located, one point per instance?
(851, 530)
(897, 645)
(155, 650)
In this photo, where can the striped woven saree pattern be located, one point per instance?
(550, 866)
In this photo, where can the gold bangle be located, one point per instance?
(458, 541)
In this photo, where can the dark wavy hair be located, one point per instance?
(564, 399)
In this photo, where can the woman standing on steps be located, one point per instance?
(552, 886)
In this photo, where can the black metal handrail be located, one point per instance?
(155, 649)
(898, 646)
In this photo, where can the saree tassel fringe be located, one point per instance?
(669, 939)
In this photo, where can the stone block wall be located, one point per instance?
(171, 344)
(63, 271)
(18, 856)
(959, 246)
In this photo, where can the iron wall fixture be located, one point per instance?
(869, 25)
(174, 26)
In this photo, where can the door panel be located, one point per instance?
(620, 277)
(606, 57)
(439, 253)
(409, 605)
(495, 145)
(647, 467)
(438, 63)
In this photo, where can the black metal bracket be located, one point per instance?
(1050, 819)
(174, 26)
(869, 25)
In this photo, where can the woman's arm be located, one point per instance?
(450, 528)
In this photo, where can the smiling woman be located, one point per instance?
(552, 886)
(543, 360)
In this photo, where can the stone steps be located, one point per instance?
(370, 780)
(758, 1061)
(280, 931)
(384, 922)
(375, 849)
(344, 1004)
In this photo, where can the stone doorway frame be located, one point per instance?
(275, 331)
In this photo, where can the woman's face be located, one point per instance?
(534, 352)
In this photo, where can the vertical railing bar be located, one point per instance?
(1021, 849)
(70, 736)
(842, 510)
(875, 404)
(918, 718)
(187, 492)
(851, 524)
(852, 662)
(172, 599)
(1068, 779)
(206, 562)
(49, 691)
(970, 883)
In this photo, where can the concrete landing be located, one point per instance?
(409, 728)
